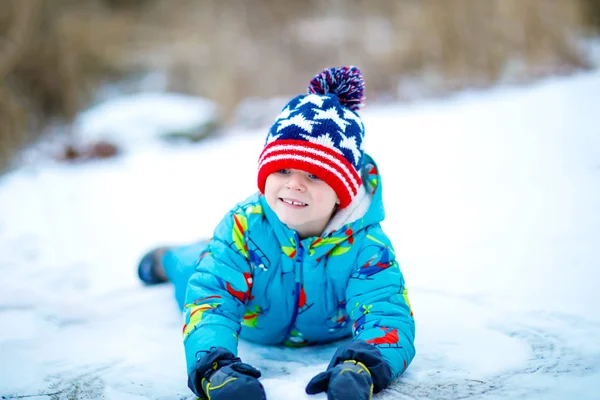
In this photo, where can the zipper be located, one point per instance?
(298, 261)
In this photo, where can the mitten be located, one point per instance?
(350, 380)
(356, 371)
(219, 375)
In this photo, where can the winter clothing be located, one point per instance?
(350, 380)
(256, 279)
(179, 264)
(356, 371)
(219, 375)
(321, 133)
(148, 265)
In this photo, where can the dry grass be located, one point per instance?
(263, 48)
(49, 66)
(231, 50)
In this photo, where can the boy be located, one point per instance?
(303, 261)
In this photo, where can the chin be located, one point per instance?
(289, 219)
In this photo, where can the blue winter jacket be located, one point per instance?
(257, 280)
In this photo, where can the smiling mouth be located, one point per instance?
(293, 202)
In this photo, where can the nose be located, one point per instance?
(296, 182)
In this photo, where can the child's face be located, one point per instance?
(301, 200)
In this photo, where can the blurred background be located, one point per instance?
(61, 57)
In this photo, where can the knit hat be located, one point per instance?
(321, 133)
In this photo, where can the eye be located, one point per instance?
(314, 177)
(283, 171)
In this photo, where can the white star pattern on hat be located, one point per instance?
(312, 98)
(350, 144)
(285, 114)
(323, 140)
(297, 120)
(350, 115)
(332, 114)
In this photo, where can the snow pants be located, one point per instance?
(179, 264)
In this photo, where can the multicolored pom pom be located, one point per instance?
(345, 82)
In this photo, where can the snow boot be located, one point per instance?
(150, 269)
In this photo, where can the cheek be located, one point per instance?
(327, 198)
(270, 191)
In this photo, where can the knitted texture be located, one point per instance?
(321, 133)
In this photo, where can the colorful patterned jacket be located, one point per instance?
(258, 281)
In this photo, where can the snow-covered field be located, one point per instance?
(493, 203)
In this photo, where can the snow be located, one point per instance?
(135, 119)
(492, 201)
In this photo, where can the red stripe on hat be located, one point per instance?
(316, 151)
(316, 159)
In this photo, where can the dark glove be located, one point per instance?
(350, 380)
(219, 375)
(356, 371)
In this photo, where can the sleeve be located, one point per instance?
(378, 305)
(218, 291)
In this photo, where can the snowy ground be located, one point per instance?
(493, 204)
